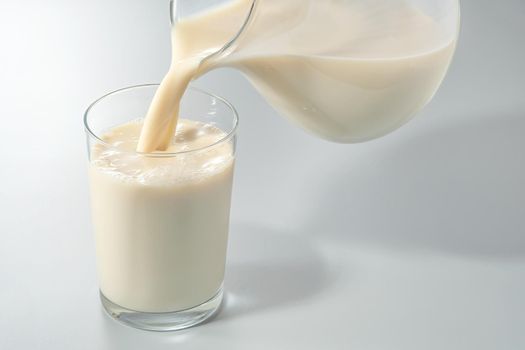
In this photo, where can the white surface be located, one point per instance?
(414, 241)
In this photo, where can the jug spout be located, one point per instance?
(222, 30)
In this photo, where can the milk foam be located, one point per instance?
(197, 157)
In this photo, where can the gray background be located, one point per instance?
(413, 241)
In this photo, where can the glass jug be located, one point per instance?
(345, 70)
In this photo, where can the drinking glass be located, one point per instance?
(160, 219)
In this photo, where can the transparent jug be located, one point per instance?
(345, 70)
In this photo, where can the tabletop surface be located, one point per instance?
(412, 241)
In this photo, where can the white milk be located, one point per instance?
(161, 224)
(345, 71)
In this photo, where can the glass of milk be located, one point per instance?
(161, 219)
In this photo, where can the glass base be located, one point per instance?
(164, 321)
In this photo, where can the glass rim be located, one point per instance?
(229, 135)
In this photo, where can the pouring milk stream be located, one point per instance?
(346, 71)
